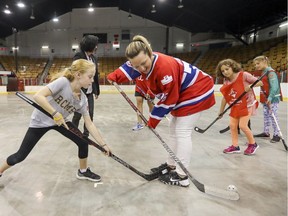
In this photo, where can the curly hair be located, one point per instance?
(236, 67)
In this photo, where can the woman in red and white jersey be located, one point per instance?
(182, 89)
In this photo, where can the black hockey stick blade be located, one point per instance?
(203, 130)
(284, 143)
(75, 131)
(224, 130)
(225, 194)
(278, 128)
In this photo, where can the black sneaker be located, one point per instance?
(89, 175)
(173, 178)
(262, 135)
(162, 169)
(275, 139)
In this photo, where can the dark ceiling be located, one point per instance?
(236, 17)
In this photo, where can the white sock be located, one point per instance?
(83, 170)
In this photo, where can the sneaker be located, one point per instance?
(262, 135)
(89, 175)
(251, 149)
(173, 178)
(275, 139)
(232, 149)
(162, 169)
(137, 127)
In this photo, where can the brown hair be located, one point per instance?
(236, 67)
(262, 58)
(138, 44)
(79, 65)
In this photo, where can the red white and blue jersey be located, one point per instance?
(181, 88)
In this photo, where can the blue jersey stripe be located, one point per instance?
(195, 100)
(188, 78)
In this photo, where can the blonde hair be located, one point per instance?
(262, 58)
(236, 67)
(138, 44)
(79, 65)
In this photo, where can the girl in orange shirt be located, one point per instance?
(236, 82)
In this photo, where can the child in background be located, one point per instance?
(141, 93)
(235, 83)
(270, 96)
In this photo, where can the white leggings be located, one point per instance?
(181, 140)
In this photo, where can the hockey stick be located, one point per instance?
(277, 125)
(232, 104)
(149, 99)
(228, 128)
(75, 131)
(225, 194)
(224, 130)
(278, 128)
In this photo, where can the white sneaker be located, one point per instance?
(137, 127)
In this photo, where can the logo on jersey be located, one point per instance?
(140, 78)
(162, 96)
(233, 94)
(166, 79)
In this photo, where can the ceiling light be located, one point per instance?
(180, 4)
(129, 16)
(283, 24)
(32, 13)
(153, 10)
(7, 10)
(253, 35)
(55, 19)
(20, 4)
(90, 9)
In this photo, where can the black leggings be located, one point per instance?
(33, 135)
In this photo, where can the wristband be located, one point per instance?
(54, 113)
(57, 119)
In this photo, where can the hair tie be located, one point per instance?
(137, 40)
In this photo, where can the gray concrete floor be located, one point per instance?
(45, 183)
